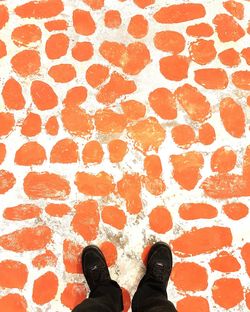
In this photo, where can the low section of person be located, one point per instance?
(106, 295)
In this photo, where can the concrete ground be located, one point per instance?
(122, 123)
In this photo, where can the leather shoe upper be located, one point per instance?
(94, 267)
(159, 263)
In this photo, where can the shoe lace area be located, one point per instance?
(160, 271)
(99, 273)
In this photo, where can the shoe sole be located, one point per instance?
(157, 246)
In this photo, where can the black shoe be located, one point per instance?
(94, 266)
(159, 264)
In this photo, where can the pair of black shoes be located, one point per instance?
(159, 265)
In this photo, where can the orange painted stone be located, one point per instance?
(245, 253)
(138, 26)
(3, 51)
(7, 181)
(133, 110)
(45, 288)
(132, 59)
(126, 299)
(72, 257)
(44, 9)
(100, 184)
(4, 15)
(222, 287)
(86, 220)
(82, 51)
(46, 259)
(226, 186)
(57, 46)
(174, 67)
(232, 116)
(207, 134)
(64, 151)
(211, 78)
(235, 8)
(7, 122)
(186, 169)
(225, 262)
(14, 302)
(144, 3)
(147, 134)
(31, 153)
(200, 30)
(160, 220)
(96, 74)
(189, 276)
(13, 274)
(248, 300)
(62, 73)
(178, 13)
(110, 252)
(26, 239)
(22, 212)
(32, 125)
(108, 121)
(227, 28)
(45, 185)
(73, 294)
(223, 160)
(26, 35)
(194, 211)
(129, 187)
(229, 57)
(76, 121)
(169, 41)
(116, 87)
(43, 95)
(112, 19)
(193, 243)
(13, 94)
(193, 302)
(202, 51)
(59, 24)
(114, 216)
(92, 152)
(57, 210)
(183, 135)
(193, 102)
(153, 165)
(83, 22)
(26, 63)
(235, 210)
(95, 4)
(163, 103)
(155, 186)
(117, 150)
(75, 96)
(2, 152)
(241, 79)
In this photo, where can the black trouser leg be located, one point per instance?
(150, 297)
(107, 297)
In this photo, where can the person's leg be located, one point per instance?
(105, 294)
(151, 295)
